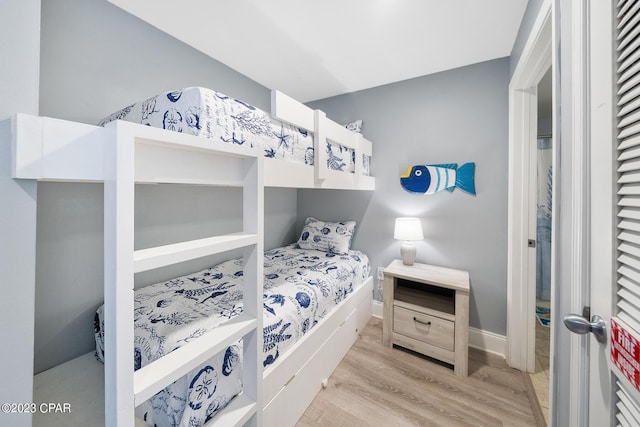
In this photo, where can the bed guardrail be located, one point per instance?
(287, 109)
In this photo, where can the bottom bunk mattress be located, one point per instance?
(300, 287)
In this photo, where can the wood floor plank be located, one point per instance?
(381, 386)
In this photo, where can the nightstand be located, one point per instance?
(426, 309)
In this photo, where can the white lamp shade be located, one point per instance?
(408, 229)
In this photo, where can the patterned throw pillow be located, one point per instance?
(332, 237)
(355, 126)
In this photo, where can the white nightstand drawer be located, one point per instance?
(423, 327)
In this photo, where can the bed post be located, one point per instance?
(18, 283)
(118, 277)
(253, 222)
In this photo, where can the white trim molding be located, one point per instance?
(376, 309)
(489, 342)
(579, 367)
(603, 223)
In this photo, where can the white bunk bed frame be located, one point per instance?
(279, 173)
(120, 155)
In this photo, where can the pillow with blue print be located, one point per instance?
(355, 126)
(332, 237)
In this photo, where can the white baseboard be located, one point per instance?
(376, 309)
(488, 341)
(482, 340)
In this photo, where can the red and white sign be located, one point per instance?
(625, 353)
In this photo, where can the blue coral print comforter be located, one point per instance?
(300, 288)
(210, 114)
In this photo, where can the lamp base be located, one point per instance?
(408, 253)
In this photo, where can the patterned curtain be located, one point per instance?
(543, 222)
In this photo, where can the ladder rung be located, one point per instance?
(158, 374)
(236, 413)
(160, 256)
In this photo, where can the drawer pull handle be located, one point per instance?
(422, 322)
(290, 379)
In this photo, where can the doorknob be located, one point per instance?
(580, 325)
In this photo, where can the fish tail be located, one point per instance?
(465, 180)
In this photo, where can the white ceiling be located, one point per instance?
(316, 49)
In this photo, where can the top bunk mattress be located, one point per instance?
(209, 114)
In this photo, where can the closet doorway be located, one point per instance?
(541, 210)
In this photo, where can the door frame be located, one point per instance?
(602, 210)
(574, 260)
(574, 160)
(535, 60)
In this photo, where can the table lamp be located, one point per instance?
(408, 230)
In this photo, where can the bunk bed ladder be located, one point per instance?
(124, 388)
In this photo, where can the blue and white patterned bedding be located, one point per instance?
(210, 114)
(300, 288)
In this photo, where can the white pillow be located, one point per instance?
(332, 237)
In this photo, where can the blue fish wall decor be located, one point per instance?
(429, 179)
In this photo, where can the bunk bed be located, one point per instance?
(121, 154)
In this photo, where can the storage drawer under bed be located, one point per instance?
(336, 334)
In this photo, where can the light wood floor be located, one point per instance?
(380, 386)
(540, 378)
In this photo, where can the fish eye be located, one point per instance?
(418, 172)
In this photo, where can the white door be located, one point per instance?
(614, 241)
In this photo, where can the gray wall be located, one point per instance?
(96, 59)
(19, 73)
(455, 116)
(545, 125)
(19, 50)
(545, 107)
